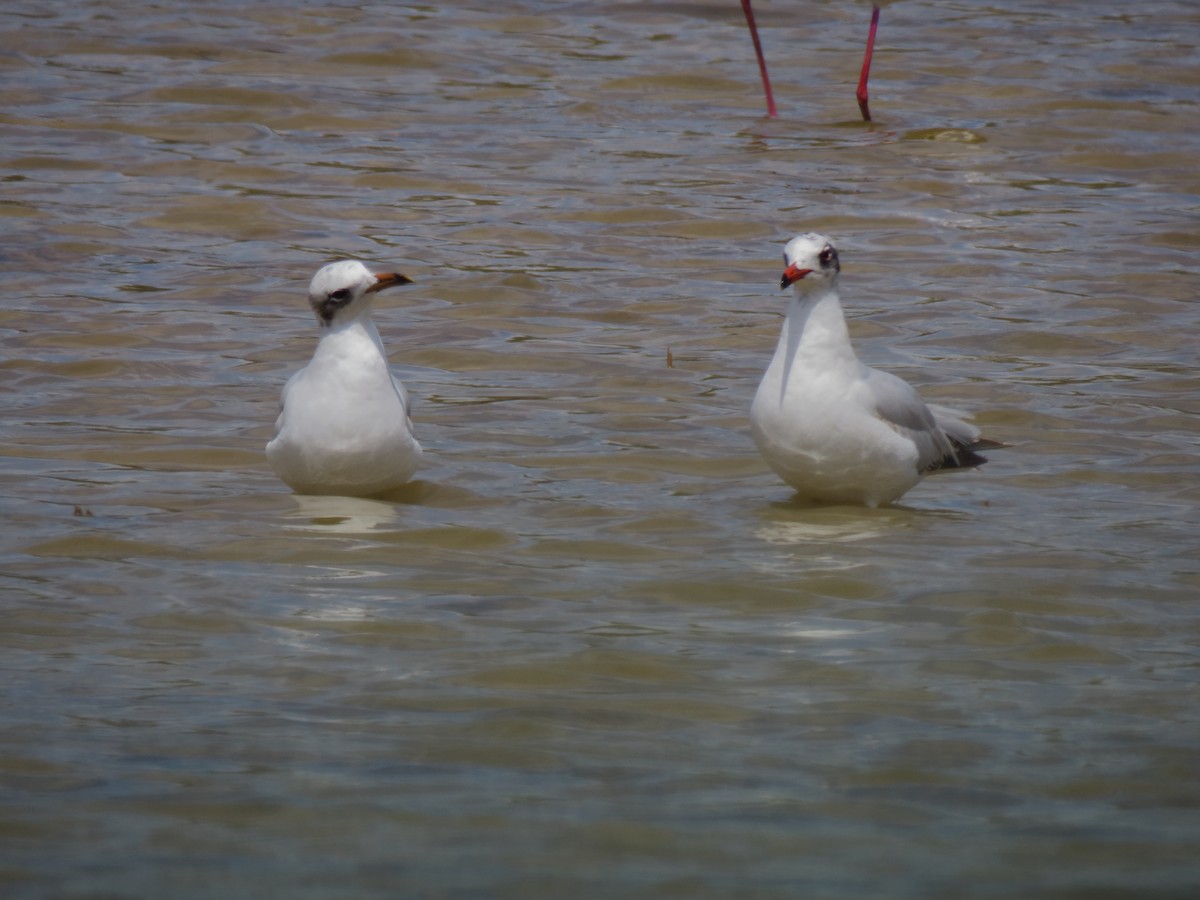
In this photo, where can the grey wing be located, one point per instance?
(951, 422)
(287, 386)
(898, 404)
(965, 437)
(402, 393)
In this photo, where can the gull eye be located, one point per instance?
(341, 295)
(826, 256)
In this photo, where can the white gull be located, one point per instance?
(345, 427)
(834, 429)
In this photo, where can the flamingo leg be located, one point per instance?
(762, 62)
(863, 104)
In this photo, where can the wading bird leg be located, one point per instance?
(863, 104)
(762, 62)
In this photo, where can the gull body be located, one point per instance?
(345, 427)
(834, 429)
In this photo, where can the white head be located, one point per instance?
(810, 263)
(342, 290)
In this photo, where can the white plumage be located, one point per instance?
(834, 429)
(345, 427)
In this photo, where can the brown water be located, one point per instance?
(595, 650)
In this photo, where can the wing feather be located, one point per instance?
(944, 441)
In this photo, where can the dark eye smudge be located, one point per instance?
(334, 301)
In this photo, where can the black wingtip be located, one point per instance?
(966, 456)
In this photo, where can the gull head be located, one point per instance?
(342, 290)
(810, 263)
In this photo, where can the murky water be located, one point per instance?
(595, 650)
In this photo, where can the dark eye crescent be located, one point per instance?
(340, 295)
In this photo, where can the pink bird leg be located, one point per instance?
(863, 104)
(762, 62)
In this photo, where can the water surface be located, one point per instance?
(596, 649)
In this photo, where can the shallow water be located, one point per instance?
(595, 650)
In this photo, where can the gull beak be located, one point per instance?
(791, 275)
(388, 279)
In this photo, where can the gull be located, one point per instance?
(345, 427)
(834, 429)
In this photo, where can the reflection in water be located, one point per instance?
(800, 532)
(340, 515)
